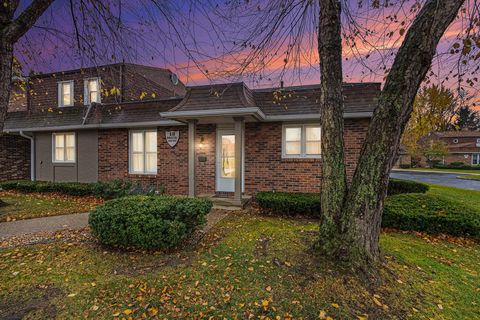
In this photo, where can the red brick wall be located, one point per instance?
(264, 167)
(459, 157)
(14, 157)
(172, 169)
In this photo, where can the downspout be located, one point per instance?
(32, 154)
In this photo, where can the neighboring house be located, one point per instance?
(214, 139)
(463, 146)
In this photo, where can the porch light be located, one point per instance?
(201, 142)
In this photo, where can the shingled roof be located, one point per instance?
(234, 99)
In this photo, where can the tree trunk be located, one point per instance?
(334, 181)
(6, 59)
(361, 212)
(368, 190)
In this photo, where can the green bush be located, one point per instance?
(456, 165)
(285, 203)
(147, 221)
(107, 190)
(398, 186)
(432, 214)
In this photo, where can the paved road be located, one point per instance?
(444, 179)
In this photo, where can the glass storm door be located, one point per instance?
(225, 161)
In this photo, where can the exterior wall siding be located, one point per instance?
(14, 157)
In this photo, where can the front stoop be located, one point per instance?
(226, 203)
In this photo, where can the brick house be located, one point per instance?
(463, 146)
(140, 123)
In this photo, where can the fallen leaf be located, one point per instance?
(335, 305)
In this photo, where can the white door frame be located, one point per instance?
(223, 184)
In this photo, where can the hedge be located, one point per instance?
(456, 165)
(432, 214)
(285, 203)
(147, 221)
(308, 204)
(398, 186)
(107, 190)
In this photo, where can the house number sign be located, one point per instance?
(172, 137)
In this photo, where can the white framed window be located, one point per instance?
(301, 141)
(143, 151)
(91, 90)
(478, 142)
(63, 147)
(476, 159)
(65, 93)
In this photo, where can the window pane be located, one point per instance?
(313, 133)
(151, 162)
(151, 141)
(293, 134)
(70, 139)
(59, 141)
(292, 147)
(228, 156)
(59, 154)
(93, 85)
(94, 97)
(70, 154)
(67, 99)
(137, 162)
(137, 142)
(313, 147)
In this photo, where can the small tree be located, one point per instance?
(434, 150)
(433, 110)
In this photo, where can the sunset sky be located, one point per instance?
(155, 42)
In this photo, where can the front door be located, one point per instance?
(225, 161)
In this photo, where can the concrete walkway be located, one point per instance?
(45, 224)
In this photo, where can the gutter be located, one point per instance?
(32, 154)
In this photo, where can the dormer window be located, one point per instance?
(92, 90)
(65, 93)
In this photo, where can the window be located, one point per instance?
(65, 94)
(478, 142)
(476, 159)
(143, 152)
(92, 90)
(63, 147)
(301, 141)
(455, 140)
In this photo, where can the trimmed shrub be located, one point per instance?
(107, 190)
(285, 203)
(398, 186)
(432, 214)
(456, 165)
(147, 221)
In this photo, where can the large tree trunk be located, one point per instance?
(361, 213)
(334, 181)
(6, 59)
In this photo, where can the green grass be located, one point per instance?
(443, 170)
(467, 197)
(247, 266)
(469, 177)
(33, 205)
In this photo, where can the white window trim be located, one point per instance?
(60, 94)
(130, 151)
(86, 94)
(303, 141)
(478, 142)
(473, 156)
(54, 147)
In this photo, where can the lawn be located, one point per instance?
(247, 267)
(473, 172)
(469, 177)
(33, 205)
(467, 197)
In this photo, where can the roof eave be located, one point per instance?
(228, 112)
